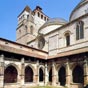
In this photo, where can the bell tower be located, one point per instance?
(25, 31)
(29, 23)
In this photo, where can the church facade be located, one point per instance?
(47, 51)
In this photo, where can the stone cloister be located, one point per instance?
(29, 71)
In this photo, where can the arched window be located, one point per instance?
(67, 35)
(31, 29)
(50, 75)
(28, 74)
(10, 74)
(78, 75)
(62, 76)
(80, 30)
(41, 75)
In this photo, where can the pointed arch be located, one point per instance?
(28, 74)
(62, 76)
(80, 30)
(10, 74)
(41, 75)
(78, 74)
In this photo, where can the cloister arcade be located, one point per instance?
(60, 73)
(11, 75)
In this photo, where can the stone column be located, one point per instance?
(68, 74)
(53, 74)
(85, 72)
(57, 79)
(36, 74)
(46, 74)
(22, 72)
(2, 71)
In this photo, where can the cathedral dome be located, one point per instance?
(79, 10)
(54, 21)
(52, 24)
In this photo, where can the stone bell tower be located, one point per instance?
(25, 31)
(29, 22)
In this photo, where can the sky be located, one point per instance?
(10, 9)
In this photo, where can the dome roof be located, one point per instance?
(81, 2)
(54, 21)
(80, 5)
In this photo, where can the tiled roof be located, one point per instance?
(27, 8)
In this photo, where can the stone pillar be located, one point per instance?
(36, 74)
(53, 74)
(68, 74)
(57, 79)
(85, 72)
(22, 72)
(2, 71)
(46, 74)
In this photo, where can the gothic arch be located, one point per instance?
(79, 30)
(29, 74)
(31, 66)
(62, 75)
(14, 65)
(59, 66)
(76, 64)
(67, 32)
(10, 74)
(41, 74)
(78, 74)
(42, 67)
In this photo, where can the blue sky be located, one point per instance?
(10, 9)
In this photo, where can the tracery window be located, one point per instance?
(80, 30)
